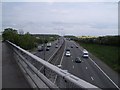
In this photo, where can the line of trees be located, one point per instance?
(27, 41)
(103, 40)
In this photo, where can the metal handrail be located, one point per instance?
(67, 76)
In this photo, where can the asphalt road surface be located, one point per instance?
(49, 53)
(86, 70)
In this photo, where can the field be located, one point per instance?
(108, 54)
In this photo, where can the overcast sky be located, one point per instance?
(71, 18)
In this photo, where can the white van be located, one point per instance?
(85, 53)
(49, 44)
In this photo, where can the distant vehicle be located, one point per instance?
(76, 46)
(40, 48)
(67, 49)
(59, 66)
(42, 45)
(68, 53)
(78, 60)
(49, 44)
(56, 46)
(85, 53)
(47, 48)
(71, 46)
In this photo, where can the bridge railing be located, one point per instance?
(30, 63)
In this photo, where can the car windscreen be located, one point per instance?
(85, 53)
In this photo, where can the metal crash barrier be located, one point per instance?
(30, 65)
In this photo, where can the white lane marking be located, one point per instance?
(72, 60)
(55, 79)
(73, 66)
(86, 67)
(92, 78)
(104, 73)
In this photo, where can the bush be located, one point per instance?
(25, 41)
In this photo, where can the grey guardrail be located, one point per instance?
(67, 76)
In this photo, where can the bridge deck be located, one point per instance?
(12, 76)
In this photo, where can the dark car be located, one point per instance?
(67, 49)
(78, 60)
(47, 49)
(76, 46)
(71, 46)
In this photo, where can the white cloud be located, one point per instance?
(74, 18)
(52, 1)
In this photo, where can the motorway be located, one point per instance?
(49, 53)
(85, 70)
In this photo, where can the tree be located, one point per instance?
(10, 34)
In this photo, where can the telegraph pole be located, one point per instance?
(44, 52)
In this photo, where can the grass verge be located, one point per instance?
(108, 54)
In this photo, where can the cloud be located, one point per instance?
(51, 1)
(85, 18)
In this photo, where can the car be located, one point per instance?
(76, 46)
(67, 49)
(47, 49)
(71, 46)
(42, 45)
(68, 53)
(40, 48)
(49, 44)
(60, 66)
(56, 46)
(85, 54)
(78, 60)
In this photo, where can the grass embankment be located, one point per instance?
(108, 54)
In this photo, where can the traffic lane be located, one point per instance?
(45, 56)
(69, 62)
(79, 69)
(47, 53)
(88, 76)
(110, 72)
(90, 73)
(66, 60)
(99, 78)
